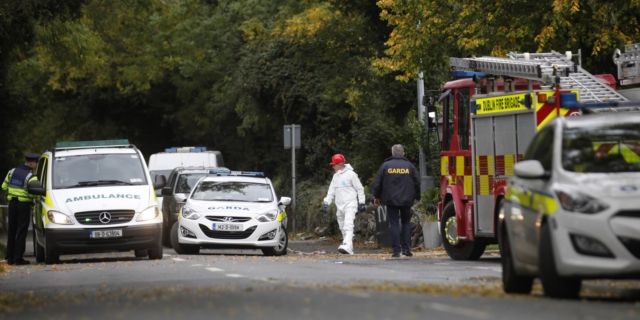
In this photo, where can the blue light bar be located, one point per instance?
(466, 74)
(96, 143)
(237, 173)
(185, 149)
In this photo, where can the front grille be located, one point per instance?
(632, 245)
(628, 213)
(232, 235)
(221, 219)
(93, 217)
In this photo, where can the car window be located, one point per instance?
(233, 191)
(541, 148)
(612, 148)
(187, 181)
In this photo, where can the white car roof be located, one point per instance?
(226, 178)
(77, 152)
(601, 119)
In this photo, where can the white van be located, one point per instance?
(162, 163)
(95, 196)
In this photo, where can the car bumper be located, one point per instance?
(619, 234)
(248, 238)
(70, 241)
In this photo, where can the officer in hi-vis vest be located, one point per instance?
(19, 207)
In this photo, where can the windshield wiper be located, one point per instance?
(100, 182)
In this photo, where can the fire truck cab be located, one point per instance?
(489, 115)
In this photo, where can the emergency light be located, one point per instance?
(185, 149)
(236, 173)
(96, 143)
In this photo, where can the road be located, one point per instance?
(246, 285)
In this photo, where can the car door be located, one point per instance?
(39, 208)
(528, 196)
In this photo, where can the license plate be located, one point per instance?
(227, 227)
(105, 234)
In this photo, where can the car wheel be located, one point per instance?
(51, 255)
(141, 253)
(554, 285)
(181, 248)
(281, 248)
(511, 281)
(39, 251)
(457, 249)
(155, 253)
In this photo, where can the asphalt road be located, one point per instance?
(302, 285)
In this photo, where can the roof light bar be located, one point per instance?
(96, 143)
(185, 149)
(236, 173)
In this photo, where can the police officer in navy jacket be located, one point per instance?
(397, 186)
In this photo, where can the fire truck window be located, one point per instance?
(541, 148)
(463, 118)
(447, 122)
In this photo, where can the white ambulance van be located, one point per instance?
(162, 163)
(95, 196)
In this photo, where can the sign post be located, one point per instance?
(292, 141)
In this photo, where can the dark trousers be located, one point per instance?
(19, 214)
(403, 214)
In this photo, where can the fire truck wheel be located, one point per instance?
(457, 249)
(511, 281)
(554, 285)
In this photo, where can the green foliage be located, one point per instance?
(427, 207)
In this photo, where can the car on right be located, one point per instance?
(572, 208)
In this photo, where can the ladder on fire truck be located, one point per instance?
(543, 67)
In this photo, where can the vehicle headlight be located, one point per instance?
(59, 217)
(190, 214)
(149, 214)
(268, 216)
(575, 201)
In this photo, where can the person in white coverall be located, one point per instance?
(349, 197)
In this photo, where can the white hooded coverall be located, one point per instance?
(348, 192)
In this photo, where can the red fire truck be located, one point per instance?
(489, 115)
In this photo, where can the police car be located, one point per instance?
(232, 210)
(95, 196)
(572, 210)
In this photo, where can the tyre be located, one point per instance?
(179, 247)
(457, 249)
(511, 281)
(51, 255)
(141, 253)
(155, 253)
(39, 250)
(554, 285)
(281, 248)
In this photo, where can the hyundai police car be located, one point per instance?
(232, 209)
(95, 196)
(572, 210)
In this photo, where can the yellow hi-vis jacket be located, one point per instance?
(18, 189)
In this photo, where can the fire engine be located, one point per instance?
(489, 115)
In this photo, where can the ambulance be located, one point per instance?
(95, 196)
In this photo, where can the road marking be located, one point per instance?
(214, 269)
(471, 313)
(233, 275)
(178, 259)
(496, 269)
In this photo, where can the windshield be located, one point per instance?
(233, 191)
(155, 173)
(614, 148)
(187, 181)
(98, 169)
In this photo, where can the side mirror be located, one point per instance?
(35, 187)
(285, 201)
(166, 191)
(160, 182)
(530, 169)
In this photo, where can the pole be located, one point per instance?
(293, 177)
(421, 114)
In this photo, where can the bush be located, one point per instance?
(427, 208)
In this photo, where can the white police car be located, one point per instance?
(232, 210)
(572, 210)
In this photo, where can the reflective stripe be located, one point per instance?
(532, 199)
(282, 215)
